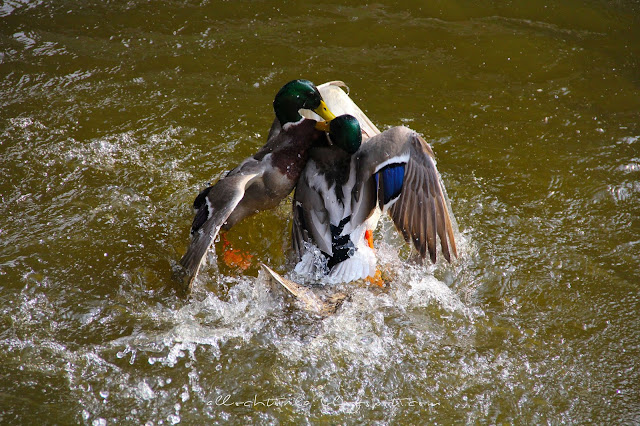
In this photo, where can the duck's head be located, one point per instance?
(297, 95)
(345, 132)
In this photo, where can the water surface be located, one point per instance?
(114, 114)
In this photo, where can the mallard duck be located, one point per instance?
(261, 181)
(345, 186)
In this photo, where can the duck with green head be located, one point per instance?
(345, 186)
(261, 181)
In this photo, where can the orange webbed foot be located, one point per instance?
(376, 279)
(235, 258)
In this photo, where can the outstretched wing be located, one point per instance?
(400, 164)
(340, 103)
(216, 203)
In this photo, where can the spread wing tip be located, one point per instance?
(190, 266)
(193, 259)
(420, 210)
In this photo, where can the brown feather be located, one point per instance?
(441, 229)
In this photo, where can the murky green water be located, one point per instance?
(114, 114)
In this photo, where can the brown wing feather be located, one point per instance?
(421, 213)
(225, 195)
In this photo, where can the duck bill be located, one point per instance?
(323, 125)
(324, 112)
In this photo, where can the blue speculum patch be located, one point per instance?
(392, 179)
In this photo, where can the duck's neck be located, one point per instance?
(286, 112)
(286, 126)
(291, 157)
